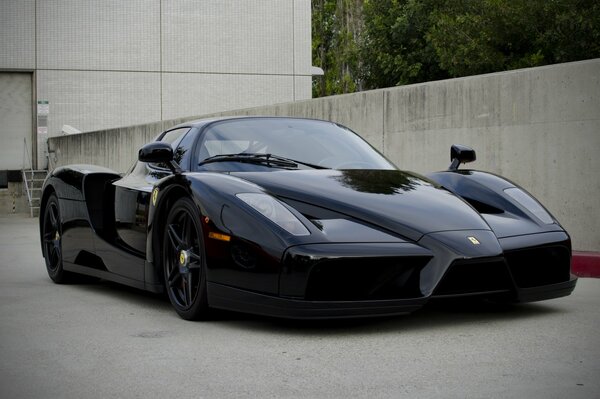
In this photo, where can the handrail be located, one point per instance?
(26, 185)
(26, 154)
(26, 188)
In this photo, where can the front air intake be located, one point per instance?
(475, 276)
(365, 279)
(532, 267)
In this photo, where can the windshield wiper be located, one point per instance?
(268, 159)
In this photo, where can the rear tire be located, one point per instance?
(184, 261)
(52, 242)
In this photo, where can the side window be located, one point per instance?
(183, 153)
(173, 135)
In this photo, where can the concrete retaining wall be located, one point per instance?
(539, 127)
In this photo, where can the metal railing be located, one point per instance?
(25, 184)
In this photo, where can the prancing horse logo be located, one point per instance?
(473, 240)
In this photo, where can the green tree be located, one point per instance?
(394, 49)
(473, 37)
(367, 44)
(336, 29)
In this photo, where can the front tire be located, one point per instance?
(184, 262)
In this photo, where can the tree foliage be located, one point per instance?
(336, 29)
(472, 37)
(365, 44)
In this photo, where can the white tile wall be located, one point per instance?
(228, 36)
(99, 35)
(101, 63)
(186, 94)
(89, 100)
(17, 34)
(302, 38)
(303, 87)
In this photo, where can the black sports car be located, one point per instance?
(298, 218)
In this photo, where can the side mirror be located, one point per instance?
(159, 152)
(461, 154)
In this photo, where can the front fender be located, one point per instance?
(249, 238)
(486, 193)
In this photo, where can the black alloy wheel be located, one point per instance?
(52, 241)
(184, 263)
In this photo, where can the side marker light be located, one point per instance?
(220, 237)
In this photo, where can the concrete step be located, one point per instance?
(36, 175)
(34, 211)
(35, 181)
(35, 184)
(35, 193)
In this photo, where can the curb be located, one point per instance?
(585, 264)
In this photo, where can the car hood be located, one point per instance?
(403, 202)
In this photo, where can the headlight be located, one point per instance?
(530, 203)
(274, 211)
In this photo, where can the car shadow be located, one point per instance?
(432, 316)
(436, 314)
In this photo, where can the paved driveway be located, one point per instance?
(103, 340)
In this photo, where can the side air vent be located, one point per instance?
(483, 207)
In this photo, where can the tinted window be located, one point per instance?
(173, 135)
(315, 142)
(183, 151)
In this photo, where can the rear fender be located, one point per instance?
(81, 193)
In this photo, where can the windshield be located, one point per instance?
(311, 142)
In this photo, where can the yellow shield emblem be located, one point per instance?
(154, 196)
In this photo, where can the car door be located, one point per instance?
(132, 199)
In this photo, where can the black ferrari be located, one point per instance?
(298, 218)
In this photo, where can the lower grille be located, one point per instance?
(365, 279)
(533, 267)
(475, 276)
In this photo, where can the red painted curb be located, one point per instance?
(586, 264)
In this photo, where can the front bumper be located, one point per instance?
(367, 280)
(225, 297)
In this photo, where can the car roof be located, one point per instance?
(203, 122)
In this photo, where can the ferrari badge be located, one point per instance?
(473, 240)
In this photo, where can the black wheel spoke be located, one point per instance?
(49, 237)
(188, 291)
(185, 232)
(176, 241)
(174, 276)
(181, 294)
(57, 252)
(195, 261)
(184, 293)
(53, 219)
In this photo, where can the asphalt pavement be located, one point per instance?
(103, 340)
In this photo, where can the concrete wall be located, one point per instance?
(12, 199)
(539, 127)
